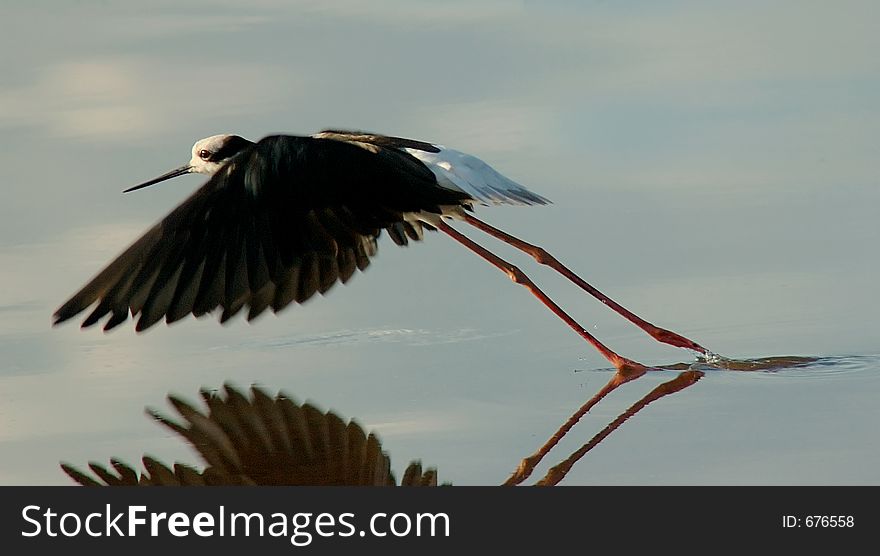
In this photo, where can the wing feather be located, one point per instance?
(285, 219)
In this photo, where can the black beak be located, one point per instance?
(172, 174)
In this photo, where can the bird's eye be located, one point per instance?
(205, 154)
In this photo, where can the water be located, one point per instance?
(712, 168)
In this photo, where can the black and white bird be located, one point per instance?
(290, 216)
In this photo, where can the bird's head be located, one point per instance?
(208, 156)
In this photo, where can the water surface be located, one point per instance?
(712, 168)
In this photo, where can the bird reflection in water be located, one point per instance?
(265, 440)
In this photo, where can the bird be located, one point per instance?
(289, 216)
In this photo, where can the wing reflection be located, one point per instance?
(262, 440)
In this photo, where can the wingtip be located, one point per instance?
(141, 325)
(66, 467)
(153, 413)
(78, 476)
(63, 314)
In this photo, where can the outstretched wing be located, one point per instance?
(285, 219)
(453, 169)
(385, 141)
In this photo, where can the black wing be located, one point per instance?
(375, 139)
(283, 220)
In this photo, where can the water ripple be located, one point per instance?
(407, 336)
(787, 365)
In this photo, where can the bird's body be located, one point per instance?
(282, 219)
(289, 216)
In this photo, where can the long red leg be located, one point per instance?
(622, 363)
(545, 258)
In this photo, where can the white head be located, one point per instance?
(211, 153)
(208, 156)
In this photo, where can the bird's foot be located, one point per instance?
(628, 370)
(677, 340)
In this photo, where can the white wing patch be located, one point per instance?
(462, 172)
